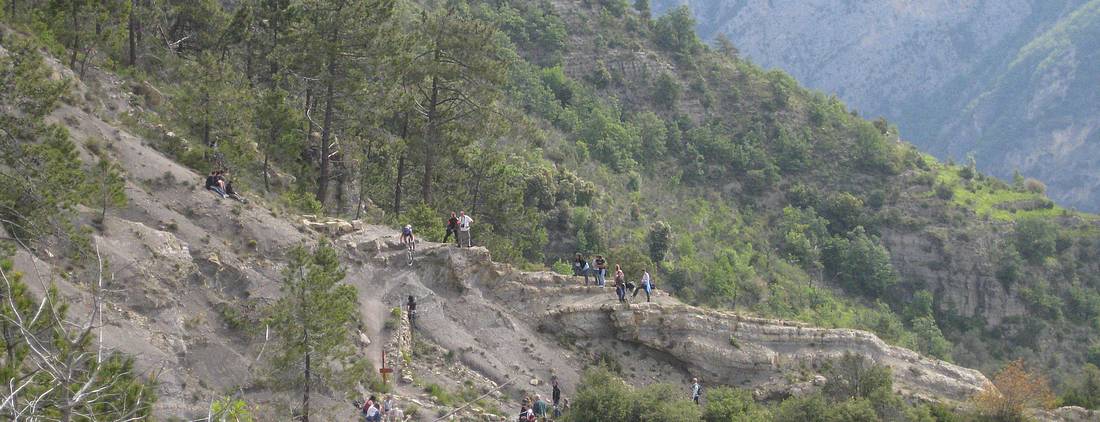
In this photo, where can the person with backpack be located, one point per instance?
(452, 228)
(601, 270)
(555, 394)
(645, 284)
(620, 283)
(696, 390)
(580, 267)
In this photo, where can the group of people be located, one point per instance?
(218, 182)
(459, 226)
(538, 410)
(581, 267)
(384, 411)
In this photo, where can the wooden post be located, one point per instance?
(385, 370)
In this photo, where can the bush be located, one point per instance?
(1035, 186)
(944, 192)
(1017, 390)
(1036, 239)
(860, 263)
(427, 223)
(601, 397)
(726, 404)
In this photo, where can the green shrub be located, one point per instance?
(1036, 239)
(726, 404)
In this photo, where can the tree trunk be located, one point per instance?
(397, 186)
(433, 134)
(326, 131)
(308, 375)
(400, 168)
(76, 35)
(267, 168)
(133, 33)
(363, 179)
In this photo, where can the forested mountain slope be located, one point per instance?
(561, 127)
(1004, 81)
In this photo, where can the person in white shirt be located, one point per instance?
(464, 229)
(646, 284)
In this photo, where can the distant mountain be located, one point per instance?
(1013, 82)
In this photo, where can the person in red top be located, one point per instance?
(452, 228)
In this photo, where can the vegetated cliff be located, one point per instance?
(1006, 81)
(189, 272)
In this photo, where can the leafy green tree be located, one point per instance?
(601, 397)
(854, 376)
(860, 263)
(1036, 239)
(675, 32)
(810, 408)
(727, 404)
(660, 236)
(86, 26)
(313, 321)
(1084, 391)
(667, 90)
(642, 6)
(228, 409)
(664, 402)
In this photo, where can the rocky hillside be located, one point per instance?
(1004, 81)
(569, 127)
(188, 268)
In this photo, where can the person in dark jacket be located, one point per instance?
(452, 228)
(214, 184)
(580, 267)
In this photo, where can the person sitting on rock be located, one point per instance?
(227, 186)
(407, 238)
(213, 184)
(580, 267)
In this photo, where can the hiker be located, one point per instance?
(373, 414)
(464, 229)
(412, 310)
(696, 390)
(646, 284)
(555, 396)
(227, 186)
(213, 184)
(601, 270)
(525, 413)
(452, 228)
(580, 267)
(407, 238)
(397, 415)
(387, 407)
(620, 283)
(539, 407)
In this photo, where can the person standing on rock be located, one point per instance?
(464, 222)
(646, 284)
(620, 283)
(601, 270)
(696, 390)
(452, 228)
(555, 395)
(411, 307)
(539, 407)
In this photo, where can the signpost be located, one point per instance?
(385, 371)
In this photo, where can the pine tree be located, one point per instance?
(107, 187)
(458, 69)
(314, 320)
(336, 35)
(40, 165)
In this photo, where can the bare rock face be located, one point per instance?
(734, 349)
